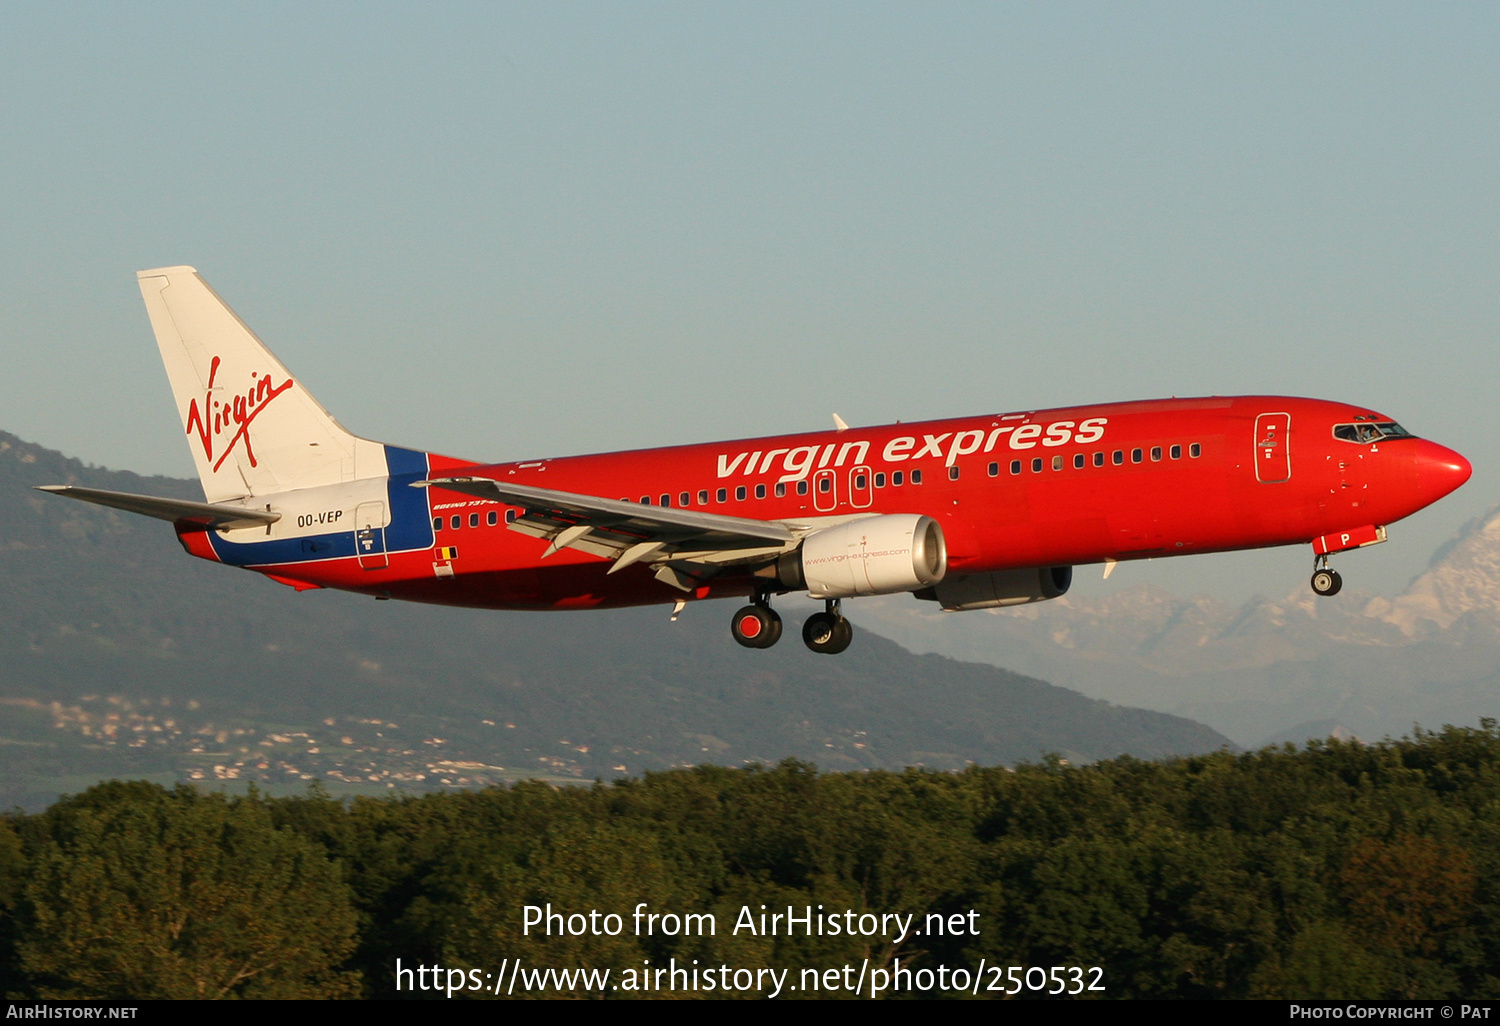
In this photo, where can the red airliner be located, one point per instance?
(970, 513)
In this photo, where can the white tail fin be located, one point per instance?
(253, 428)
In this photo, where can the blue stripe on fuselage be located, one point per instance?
(411, 518)
(410, 528)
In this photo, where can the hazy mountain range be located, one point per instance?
(1267, 670)
(122, 656)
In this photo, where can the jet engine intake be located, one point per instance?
(1002, 588)
(879, 555)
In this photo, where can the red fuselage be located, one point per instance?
(1038, 489)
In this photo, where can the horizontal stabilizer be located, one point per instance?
(207, 515)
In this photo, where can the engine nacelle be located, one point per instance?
(875, 556)
(1003, 588)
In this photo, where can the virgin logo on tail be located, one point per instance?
(237, 413)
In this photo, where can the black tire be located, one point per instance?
(827, 634)
(756, 627)
(1327, 582)
(845, 636)
(775, 634)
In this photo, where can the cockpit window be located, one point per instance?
(1366, 432)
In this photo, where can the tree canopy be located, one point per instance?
(1341, 870)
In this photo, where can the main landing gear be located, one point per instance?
(1325, 579)
(828, 632)
(758, 626)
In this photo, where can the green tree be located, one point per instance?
(12, 878)
(1407, 896)
(137, 892)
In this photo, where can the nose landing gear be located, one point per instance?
(1325, 579)
(828, 632)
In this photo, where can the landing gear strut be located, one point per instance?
(828, 632)
(756, 625)
(1325, 579)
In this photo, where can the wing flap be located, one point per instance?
(627, 532)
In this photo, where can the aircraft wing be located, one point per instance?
(687, 546)
(208, 515)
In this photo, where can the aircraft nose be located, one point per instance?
(1440, 470)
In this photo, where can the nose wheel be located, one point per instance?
(756, 625)
(1325, 579)
(827, 632)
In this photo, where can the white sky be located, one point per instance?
(522, 230)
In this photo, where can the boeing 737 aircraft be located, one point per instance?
(970, 513)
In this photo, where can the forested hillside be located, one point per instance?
(1338, 871)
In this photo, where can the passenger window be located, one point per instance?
(1057, 463)
(703, 498)
(861, 481)
(994, 469)
(1156, 454)
(952, 473)
(1177, 452)
(1118, 457)
(473, 519)
(739, 494)
(1136, 455)
(437, 523)
(879, 481)
(666, 500)
(645, 500)
(1098, 459)
(1195, 450)
(722, 495)
(492, 518)
(780, 489)
(896, 479)
(801, 487)
(454, 522)
(685, 499)
(760, 491)
(916, 477)
(824, 485)
(1015, 466)
(510, 516)
(1036, 465)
